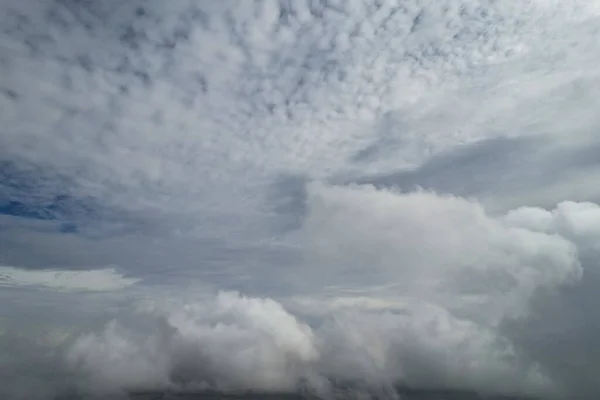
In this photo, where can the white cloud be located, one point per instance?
(330, 74)
(99, 280)
(231, 342)
(169, 126)
(574, 220)
(427, 347)
(234, 342)
(440, 249)
(434, 280)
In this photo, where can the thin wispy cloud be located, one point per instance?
(95, 280)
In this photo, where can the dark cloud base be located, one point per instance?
(400, 393)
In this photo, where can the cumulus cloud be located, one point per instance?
(457, 275)
(440, 249)
(579, 221)
(427, 347)
(239, 343)
(232, 342)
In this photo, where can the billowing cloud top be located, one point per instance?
(299, 194)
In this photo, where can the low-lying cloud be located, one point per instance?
(99, 280)
(444, 279)
(239, 343)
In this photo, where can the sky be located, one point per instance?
(268, 194)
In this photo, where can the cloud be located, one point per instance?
(99, 280)
(434, 277)
(233, 342)
(175, 140)
(505, 173)
(272, 88)
(441, 249)
(561, 330)
(578, 221)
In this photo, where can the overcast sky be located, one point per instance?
(253, 194)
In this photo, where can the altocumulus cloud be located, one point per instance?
(299, 194)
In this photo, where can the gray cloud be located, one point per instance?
(177, 141)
